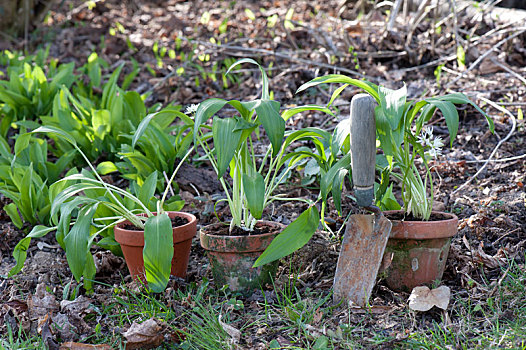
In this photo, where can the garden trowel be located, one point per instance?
(366, 235)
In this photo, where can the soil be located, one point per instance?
(260, 229)
(491, 206)
(176, 222)
(402, 216)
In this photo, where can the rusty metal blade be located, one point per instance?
(360, 258)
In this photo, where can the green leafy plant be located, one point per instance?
(103, 127)
(85, 194)
(404, 139)
(159, 145)
(255, 179)
(27, 178)
(29, 94)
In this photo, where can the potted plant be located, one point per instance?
(87, 206)
(420, 238)
(235, 249)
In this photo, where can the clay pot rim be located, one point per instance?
(136, 237)
(273, 223)
(233, 244)
(423, 229)
(191, 219)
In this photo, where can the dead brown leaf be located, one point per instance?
(146, 335)
(487, 260)
(234, 333)
(79, 306)
(423, 298)
(42, 303)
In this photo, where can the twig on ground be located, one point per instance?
(521, 30)
(503, 160)
(499, 283)
(428, 64)
(283, 56)
(421, 13)
(512, 130)
(393, 15)
(507, 69)
(321, 36)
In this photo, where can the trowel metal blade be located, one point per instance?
(360, 258)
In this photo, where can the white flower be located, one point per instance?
(191, 109)
(434, 144)
(426, 137)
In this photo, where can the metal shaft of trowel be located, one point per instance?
(363, 148)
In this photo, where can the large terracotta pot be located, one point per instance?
(132, 244)
(232, 257)
(418, 250)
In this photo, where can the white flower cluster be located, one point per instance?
(434, 144)
(191, 109)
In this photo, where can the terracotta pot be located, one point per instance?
(132, 244)
(418, 250)
(232, 257)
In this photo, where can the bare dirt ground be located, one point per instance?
(308, 39)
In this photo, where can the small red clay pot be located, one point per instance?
(232, 257)
(132, 244)
(418, 249)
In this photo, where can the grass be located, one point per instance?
(291, 317)
(10, 341)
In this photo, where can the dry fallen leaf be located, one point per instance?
(487, 260)
(145, 335)
(234, 333)
(423, 298)
(82, 346)
(79, 306)
(41, 303)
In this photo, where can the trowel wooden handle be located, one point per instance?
(363, 148)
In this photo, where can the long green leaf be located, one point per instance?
(268, 114)
(295, 236)
(165, 113)
(226, 141)
(12, 211)
(205, 111)
(327, 179)
(450, 114)
(147, 190)
(392, 103)
(295, 110)
(76, 241)
(54, 130)
(264, 79)
(370, 88)
(158, 251)
(254, 188)
(459, 98)
(337, 185)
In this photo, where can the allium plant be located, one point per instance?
(407, 144)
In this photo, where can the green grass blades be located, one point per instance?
(158, 251)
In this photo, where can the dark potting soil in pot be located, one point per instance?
(402, 216)
(259, 229)
(176, 222)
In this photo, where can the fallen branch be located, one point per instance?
(507, 69)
